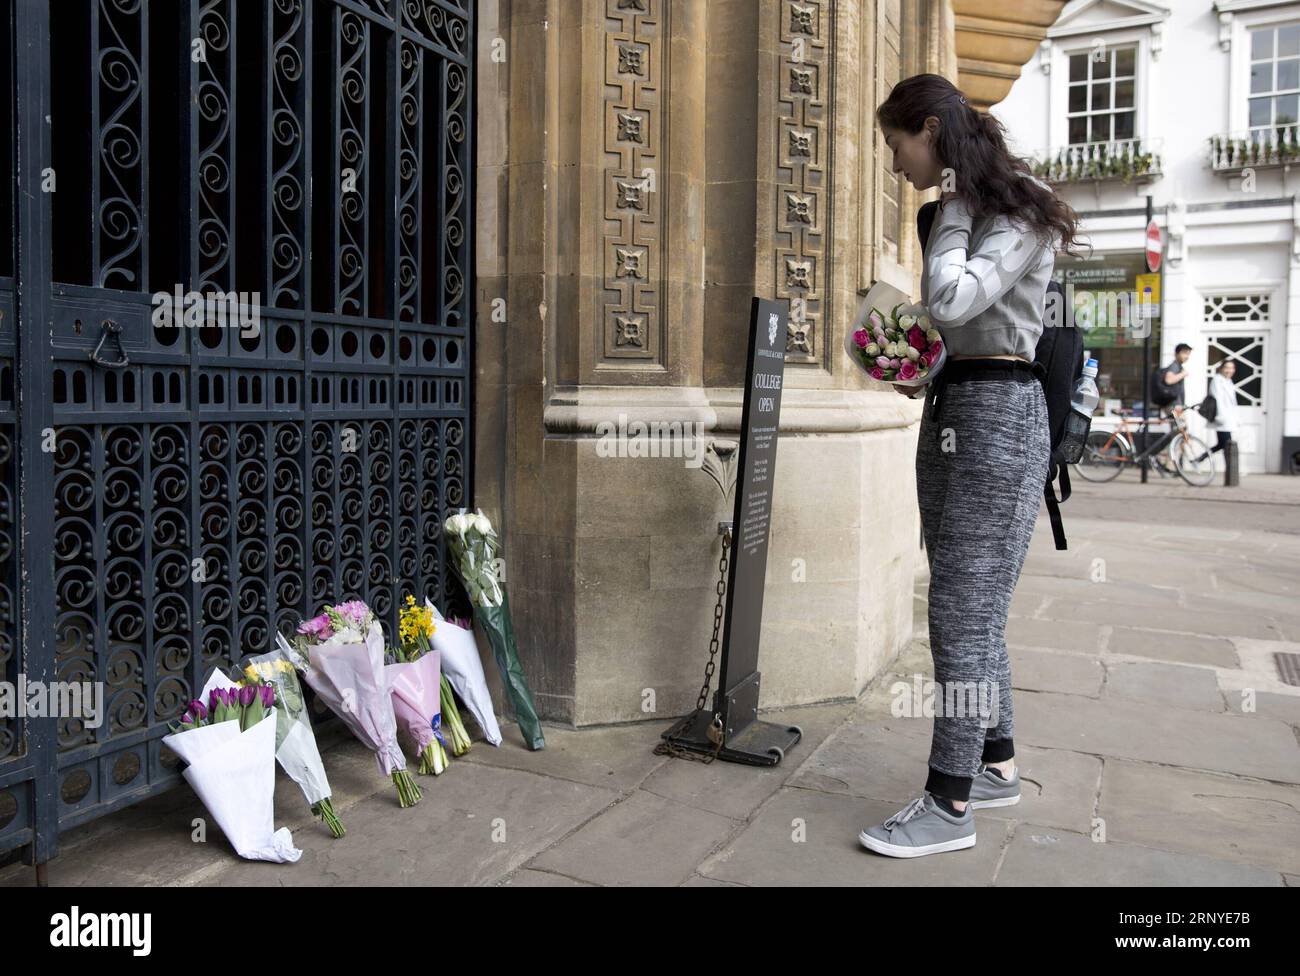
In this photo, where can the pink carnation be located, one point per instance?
(861, 338)
(318, 627)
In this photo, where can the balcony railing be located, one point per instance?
(1126, 160)
(1255, 148)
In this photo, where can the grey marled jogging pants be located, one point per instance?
(979, 480)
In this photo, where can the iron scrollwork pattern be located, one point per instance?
(226, 482)
(408, 182)
(288, 125)
(352, 41)
(10, 739)
(120, 254)
(216, 145)
(122, 574)
(15, 751)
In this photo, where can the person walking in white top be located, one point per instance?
(1225, 419)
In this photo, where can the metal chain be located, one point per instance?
(666, 748)
(710, 667)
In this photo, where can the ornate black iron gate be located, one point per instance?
(181, 476)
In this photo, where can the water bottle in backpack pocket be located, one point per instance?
(1078, 423)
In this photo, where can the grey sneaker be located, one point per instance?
(922, 827)
(988, 789)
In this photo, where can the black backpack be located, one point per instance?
(1208, 408)
(1058, 364)
(1162, 394)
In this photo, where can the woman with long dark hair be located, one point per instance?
(1225, 420)
(982, 455)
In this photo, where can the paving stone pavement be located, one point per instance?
(1158, 746)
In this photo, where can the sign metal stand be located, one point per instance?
(731, 730)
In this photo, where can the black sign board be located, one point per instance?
(741, 737)
(756, 474)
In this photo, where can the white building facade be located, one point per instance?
(1194, 102)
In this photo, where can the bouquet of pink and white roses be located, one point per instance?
(899, 346)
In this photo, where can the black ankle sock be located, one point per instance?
(946, 805)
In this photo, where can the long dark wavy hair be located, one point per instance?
(971, 143)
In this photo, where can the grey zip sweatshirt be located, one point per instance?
(984, 282)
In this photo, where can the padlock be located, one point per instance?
(715, 731)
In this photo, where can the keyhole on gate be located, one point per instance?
(76, 326)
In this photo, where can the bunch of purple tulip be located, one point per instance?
(245, 704)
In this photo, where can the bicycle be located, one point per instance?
(1106, 453)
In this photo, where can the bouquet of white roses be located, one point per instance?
(474, 547)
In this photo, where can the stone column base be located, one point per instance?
(633, 585)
